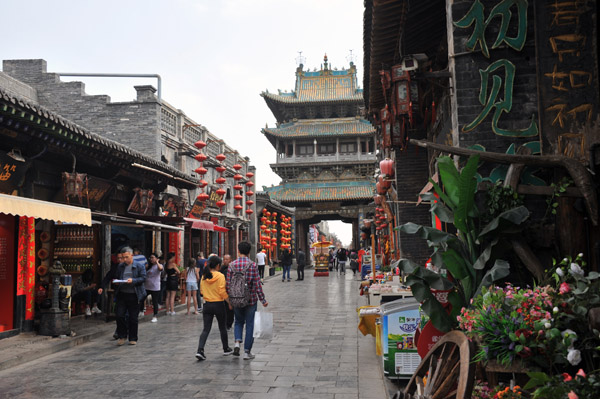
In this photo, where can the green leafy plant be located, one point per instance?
(500, 199)
(469, 255)
(564, 386)
(558, 189)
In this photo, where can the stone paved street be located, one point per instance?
(314, 353)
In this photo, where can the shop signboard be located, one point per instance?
(197, 210)
(12, 172)
(400, 320)
(98, 190)
(141, 204)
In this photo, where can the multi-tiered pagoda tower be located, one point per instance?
(325, 149)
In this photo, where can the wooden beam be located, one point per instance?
(578, 172)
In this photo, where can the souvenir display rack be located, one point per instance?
(76, 247)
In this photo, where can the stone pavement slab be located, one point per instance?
(316, 352)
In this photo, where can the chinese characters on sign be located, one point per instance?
(568, 85)
(508, 21)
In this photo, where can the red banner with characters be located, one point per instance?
(7, 271)
(26, 263)
(174, 245)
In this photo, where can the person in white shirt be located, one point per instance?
(261, 257)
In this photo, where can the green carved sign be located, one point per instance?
(491, 101)
(503, 10)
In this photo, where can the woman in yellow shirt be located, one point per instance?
(212, 287)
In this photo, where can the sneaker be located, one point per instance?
(115, 336)
(96, 310)
(227, 352)
(141, 314)
(132, 342)
(248, 356)
(289, 279)
(121, 341)
(88, 312)
(200, 355)
(236, 351)
(154, 319)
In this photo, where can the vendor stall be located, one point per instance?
(321, 258)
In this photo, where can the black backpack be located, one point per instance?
(239, 292)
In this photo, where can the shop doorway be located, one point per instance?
(7, 272)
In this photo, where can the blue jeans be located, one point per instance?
(244, 315)
(286, 269)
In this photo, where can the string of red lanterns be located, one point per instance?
(238, 188)
(249, 194)
(220, 181)
(201, 170)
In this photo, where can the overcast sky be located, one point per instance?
(214, 57)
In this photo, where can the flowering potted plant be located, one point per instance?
(546, 327)
(564, 386)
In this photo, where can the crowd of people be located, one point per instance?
(225, 289)
(218, 288)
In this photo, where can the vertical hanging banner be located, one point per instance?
(7, 274)
(26, 263)
(174, 245)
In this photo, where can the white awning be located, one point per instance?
(21, 206)
(160, 225)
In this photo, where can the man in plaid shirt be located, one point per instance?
(246, 314)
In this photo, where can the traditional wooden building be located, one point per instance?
(325, 149)
(515, 81)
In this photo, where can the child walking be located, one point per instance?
(216, 299)
(191, 285)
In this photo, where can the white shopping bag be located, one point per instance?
(263, 325)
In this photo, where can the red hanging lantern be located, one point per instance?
(263, 219)
(220, 180)
(202, 183)
(249, 212)
(249, 184)
(238, 207)
(384, 182)
(274, 213)
(249, 202)
(263, 227)
(387, 167)
(221, 191)
(249, 175)
(201, 170)
(249, 193)
(200, 157)
(237, 166)
(238, 187)
(220, 157)
(202, 197)
(221, 204)
(237, 197)
(220, 168)
(200, 144)
(237, 177)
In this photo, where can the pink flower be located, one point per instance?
(564, 288)
(566, 377)
(581, 373)
(573, 395)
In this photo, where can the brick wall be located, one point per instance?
(412, 175)
(134, 124)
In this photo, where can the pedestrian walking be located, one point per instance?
(200, 262)
(286, 263)
(300, 263)
(152, 284)
(342, 257)
(213, 287)
(141, 259)
(107, 281)
(191, 285)
(354, 261)
(130, 276)
(163, 282)
(229, 309)
(261, 261)
(173, 273)
(244, 297)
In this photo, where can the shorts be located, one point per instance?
(191, 286)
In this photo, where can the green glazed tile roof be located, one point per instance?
(315, 192)
(321, 86)
(322, 127)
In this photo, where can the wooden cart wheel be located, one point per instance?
(449, 370)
